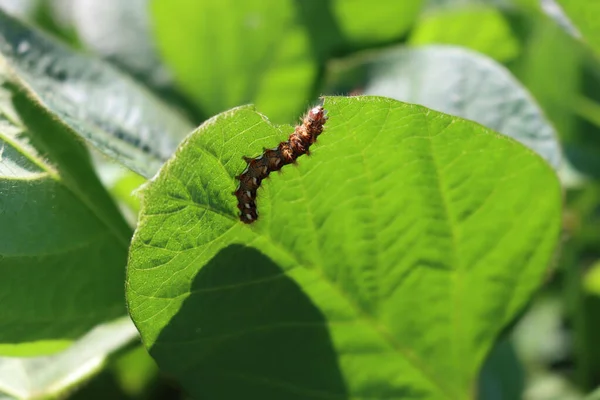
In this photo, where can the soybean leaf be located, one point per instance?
(550, 69)
(122, 184)
(555, 12)
(267, 52)
(502, 376)
(595, 395)
(63, 243)
(363, 23)
(135, 371)
(581, 308)
(120, 31)
(224, 55)
(585, 16)
(447, 4)
(456, 81)
(493, 36)
(52, 376)
(589, 110)
(382, 266)
(591, 280)
(108, 109)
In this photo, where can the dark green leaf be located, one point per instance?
(63, 243)
(594, 396)
(502, 376)
(93, 99)
(551, 69)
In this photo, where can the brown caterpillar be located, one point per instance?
(274, 159)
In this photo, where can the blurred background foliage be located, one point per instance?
(191, 54)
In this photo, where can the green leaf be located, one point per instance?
(122, 184)
(224, 55)
(595, 395)
(585, 16)
(581, 308)
(554, 81)
(364, 23)
(121, 32)
(555, 12)
(455, 81)
(382, 266)
(589, 110)
(591, 281)
(135, 371)
(103, 106)
(63, 243)
(492, 37)
(52, 376)
(124, 190)
(502, 375)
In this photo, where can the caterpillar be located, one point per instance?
(270, 160)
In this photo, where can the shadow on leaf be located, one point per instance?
(249, 331)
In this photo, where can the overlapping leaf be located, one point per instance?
(585, 16)
(120, 31)
(493, 36)
(267, 52)
(94, 100)
(224, 55)
(63, 243)
(361, 22)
